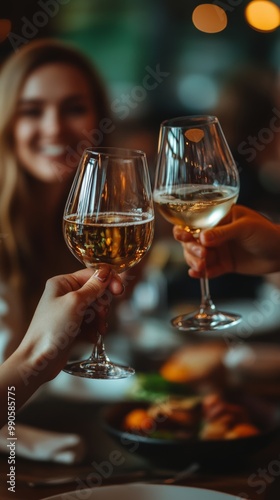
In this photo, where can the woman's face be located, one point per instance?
(54, 112)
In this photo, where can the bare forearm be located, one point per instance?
(17, 379)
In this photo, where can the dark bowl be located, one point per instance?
(177, 451)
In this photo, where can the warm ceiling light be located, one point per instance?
(209, 18)
(262, 15)
(5, 28)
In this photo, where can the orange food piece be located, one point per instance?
(138, 420)
(174, 373)
(242, 430)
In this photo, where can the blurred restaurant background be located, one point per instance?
(160, 59)
(165, 58)
(192, 48)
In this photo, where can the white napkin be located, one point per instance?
(39, 444)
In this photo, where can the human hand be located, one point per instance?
(245, 242)
(69, 303)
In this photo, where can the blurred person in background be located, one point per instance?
(52, 106)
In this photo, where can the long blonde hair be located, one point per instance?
(14, 247)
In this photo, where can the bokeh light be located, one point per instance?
(262, 15)
(209, 18)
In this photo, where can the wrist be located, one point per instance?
(36, 364)
(30, 368)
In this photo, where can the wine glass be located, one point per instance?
(108, 218)
(196, 183)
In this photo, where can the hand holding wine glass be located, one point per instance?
(196, 184)
(108, 218)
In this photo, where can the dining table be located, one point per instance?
(254, 476)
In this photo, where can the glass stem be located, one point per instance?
(98, 353)
(206, 301)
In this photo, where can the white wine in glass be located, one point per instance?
(108, 219)
(196, 184)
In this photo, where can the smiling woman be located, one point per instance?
(52, 106)
(50, 118)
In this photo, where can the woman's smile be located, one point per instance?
(51, 119)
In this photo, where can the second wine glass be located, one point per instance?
(196, 184)
(108, 218)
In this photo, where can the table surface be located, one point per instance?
(256, 477)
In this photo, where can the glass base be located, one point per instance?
(201, 321)
(98, 370)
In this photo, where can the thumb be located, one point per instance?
(96, 284)
(222, 234)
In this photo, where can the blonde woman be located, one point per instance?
(52, 106)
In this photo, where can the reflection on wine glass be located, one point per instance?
(108, 218)
(196, 184)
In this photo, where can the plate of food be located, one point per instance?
(193, 427)
(145, 492)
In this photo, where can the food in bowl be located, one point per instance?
(200, 417)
